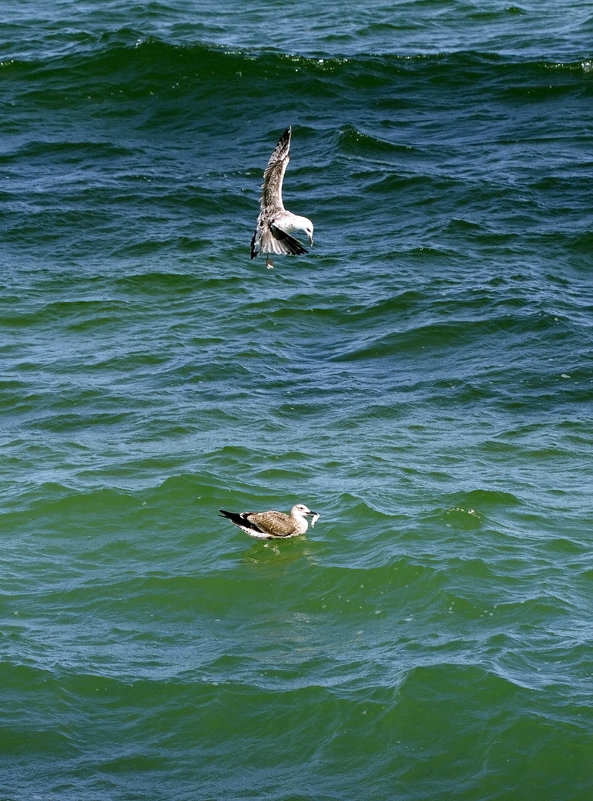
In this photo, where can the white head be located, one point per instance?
(300, 510)
(304, 224)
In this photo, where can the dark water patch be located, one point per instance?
(501, 698)
(159, 283)
(128, 67)
(356, 142)
(581, 243)
(485, 499)
(446, 333)
(66, 313)
(36, 153)
(67, 508)
(125, 66)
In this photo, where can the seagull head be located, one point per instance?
(303, 224)
(308, 229)
(300, 510)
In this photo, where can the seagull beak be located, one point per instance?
(311, 239)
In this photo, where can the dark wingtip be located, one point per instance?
(293, 245)
(254, 249)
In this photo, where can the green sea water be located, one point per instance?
(422, 379)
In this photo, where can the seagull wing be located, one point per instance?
(274, 174)
(281, 242)
(276, 524)
(269, 235)
(272, 239)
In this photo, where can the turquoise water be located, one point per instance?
(422, 379)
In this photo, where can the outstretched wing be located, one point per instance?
(274, 174)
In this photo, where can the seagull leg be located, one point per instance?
(269, 262)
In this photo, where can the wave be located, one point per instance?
(127, 63)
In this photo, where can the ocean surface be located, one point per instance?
(423, 379)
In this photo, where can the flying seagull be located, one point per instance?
(273, 525)
(275, 224)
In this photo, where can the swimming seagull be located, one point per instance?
(273, 525)
(275, 224)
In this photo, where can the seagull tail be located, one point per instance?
(239, 519)
(232, 516)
